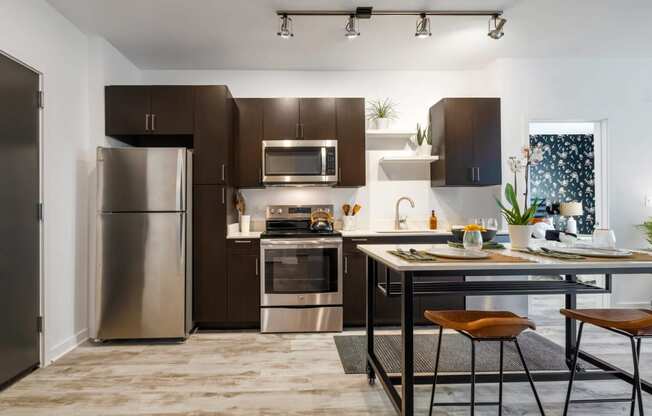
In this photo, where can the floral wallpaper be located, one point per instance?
(566, 173)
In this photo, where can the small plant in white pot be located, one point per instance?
(424, 141)
(519, 221)
(381, 113)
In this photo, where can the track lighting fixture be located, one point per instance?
(351, 29)
(496, 24)
(285, 27)
(423, 26)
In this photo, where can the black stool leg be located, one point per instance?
(434, 381)
(500, 382)
(529, 376)
(638, 356)
(636, 349)
(472, 377)
(573, 368)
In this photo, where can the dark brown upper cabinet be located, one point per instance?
(249, 138)
(281, 119)
(466, 136)
(317, 118)
(351, 142)
(144, 110)
(215, 114)
(299, 118)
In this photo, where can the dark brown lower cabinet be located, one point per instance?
(243, 283)
(209, 245)
(387, 309)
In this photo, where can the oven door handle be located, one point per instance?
(312, 242)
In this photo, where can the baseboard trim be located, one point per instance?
(65, 347)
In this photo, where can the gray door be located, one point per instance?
(19, 228)
(141, 275)
(138, 180)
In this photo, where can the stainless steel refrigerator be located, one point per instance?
(144, 250)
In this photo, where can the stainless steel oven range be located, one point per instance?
(301, 270)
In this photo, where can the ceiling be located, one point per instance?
(228, 34)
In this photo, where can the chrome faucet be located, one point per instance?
(400, 223)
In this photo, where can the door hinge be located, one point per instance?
(40, 99)
(39, 211)
(39, 324)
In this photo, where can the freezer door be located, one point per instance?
(140, 291)
(141, 179)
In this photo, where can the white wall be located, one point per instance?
(618, 91)
(413, 91)
(36, 34)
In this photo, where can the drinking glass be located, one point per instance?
(604, 238)
(492, 224)
(472, 240)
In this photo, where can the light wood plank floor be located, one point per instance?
(254, 374)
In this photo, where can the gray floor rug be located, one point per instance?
(540, 353)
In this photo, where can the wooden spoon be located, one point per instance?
(356, 209)
(346, 208)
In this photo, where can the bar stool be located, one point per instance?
(479, 326)
(632, 323)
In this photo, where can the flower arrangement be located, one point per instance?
(530, 156)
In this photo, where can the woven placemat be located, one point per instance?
(425, 257)
(636, 256)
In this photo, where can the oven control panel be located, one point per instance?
(295, 212)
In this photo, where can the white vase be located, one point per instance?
(382, 123)
(520, 235)
(424, 150)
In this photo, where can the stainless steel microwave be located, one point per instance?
(299, 162)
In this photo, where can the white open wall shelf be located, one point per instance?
(408, 159)
(389, 133)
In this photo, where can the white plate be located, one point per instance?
(592, 252)
(458, 253)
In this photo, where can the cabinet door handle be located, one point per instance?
(153, 122)
(243, 241)
(146, 122)
(346, 265)
(477, 176)
(301, 130)
(261, 176)
(223, 172)
(359, 239)
(339, 175)
(296, 131)
(257, 267)
(223, 196)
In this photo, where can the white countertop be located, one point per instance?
(237, 234)
(380, 253)
(405, 233)
(361, 233)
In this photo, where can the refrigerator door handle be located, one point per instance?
(181, 179)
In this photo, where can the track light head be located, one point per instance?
(496, 24)
(351, 29)
(423, 27)
(285, 27)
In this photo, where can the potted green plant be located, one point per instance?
(424, 141)
(647, 229)
(519, 221)
(381, 112)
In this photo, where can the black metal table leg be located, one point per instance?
(407, 340)
(371, 286)
(571, 327)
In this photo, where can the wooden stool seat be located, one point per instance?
(481, 324)
(632, 321)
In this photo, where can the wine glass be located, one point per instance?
(472, 240)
